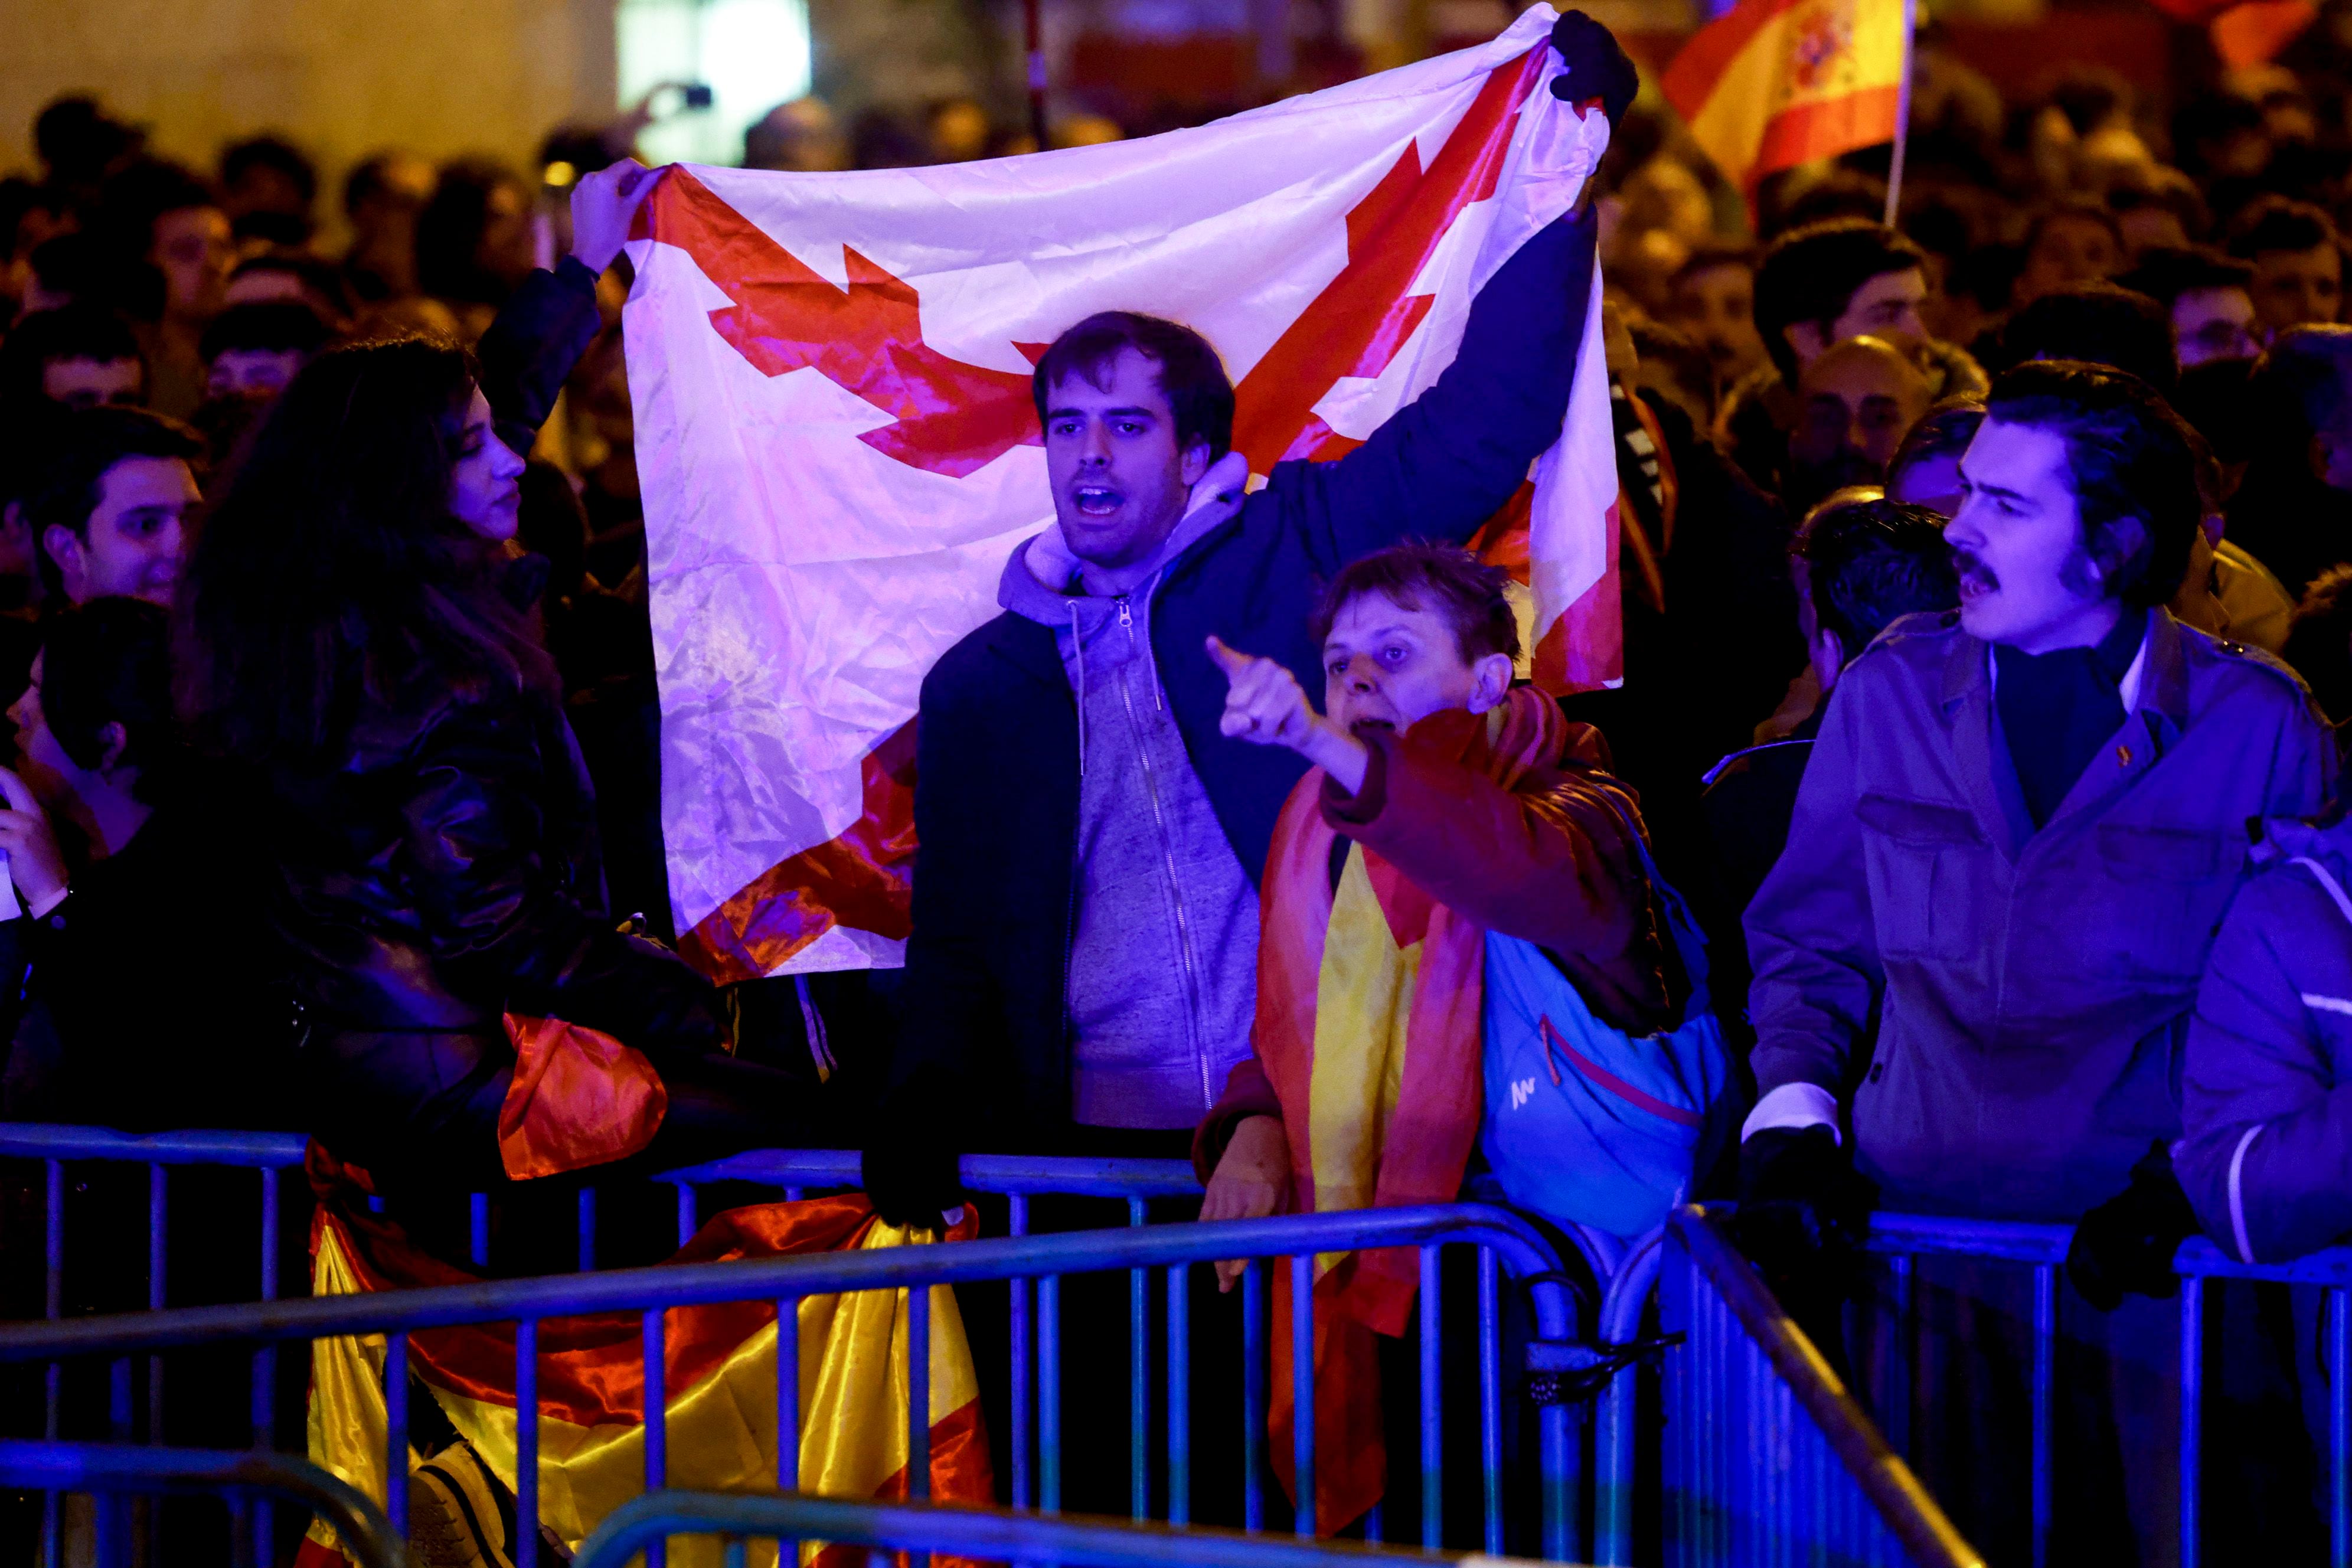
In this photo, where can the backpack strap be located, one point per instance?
(2328, 881)
(1690, 944)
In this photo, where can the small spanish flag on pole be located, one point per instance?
(1774, 83)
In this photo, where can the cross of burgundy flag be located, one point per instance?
(839, 450)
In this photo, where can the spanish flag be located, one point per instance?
(720, 1376)
(1775, 83)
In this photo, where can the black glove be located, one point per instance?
(910, 1178)
(1801, 1202)
(1597, 67)
(2125, 1247)
(1803, 1213)
(909, 1164)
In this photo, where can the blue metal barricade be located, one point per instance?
(989, 1535)
(1767, 1458)
(267, 1154)
(271, 1155)
(1504, 1244)
(793, 1172)
(1903, 1238)
(109, 1468)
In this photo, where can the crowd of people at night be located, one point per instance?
(1963, 837)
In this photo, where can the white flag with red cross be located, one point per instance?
(838, 446)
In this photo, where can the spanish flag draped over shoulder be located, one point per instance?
(1369, 1008)
(720, 1376)
(1775, 83)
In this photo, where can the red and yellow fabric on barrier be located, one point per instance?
(1775, 83)
(579, 1097)
(719, 1372)
(1368, 1017)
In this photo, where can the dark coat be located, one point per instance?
(2029, 989)
(2286, 519)
(996, 797)
(2266, 1089)
(143, 1005)
(441, 872)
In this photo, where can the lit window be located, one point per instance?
(753, 54)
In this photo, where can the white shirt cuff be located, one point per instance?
(42, 906)
(1792, 1105)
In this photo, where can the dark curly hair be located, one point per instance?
(332, 574)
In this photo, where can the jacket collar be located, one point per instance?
(2164, 675)
(2163, 670)
(2159, 712)
(1028, 646)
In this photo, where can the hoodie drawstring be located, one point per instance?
(1079, 658)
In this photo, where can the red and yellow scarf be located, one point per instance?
(1369, 1001)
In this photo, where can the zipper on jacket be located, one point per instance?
(1184, 955)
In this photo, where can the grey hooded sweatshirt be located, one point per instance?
(1163, 945)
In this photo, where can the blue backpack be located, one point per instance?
(1584, 1124)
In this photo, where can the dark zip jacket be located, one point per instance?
(986, 1041)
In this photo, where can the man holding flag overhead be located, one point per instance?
(1084, 920)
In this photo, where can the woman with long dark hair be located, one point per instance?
(419, 801)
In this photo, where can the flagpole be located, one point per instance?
(1894, 168)
(1902, 112)
(1034, 37)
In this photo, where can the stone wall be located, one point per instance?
(342, 77)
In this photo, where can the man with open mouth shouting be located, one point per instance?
(2020, 825)
(1082, 971)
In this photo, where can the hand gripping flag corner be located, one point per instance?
(839, 448)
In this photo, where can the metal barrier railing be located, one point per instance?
(988, 1535)
(1903, 1238)
(1504, 1244)
(792, 1171)
(108, 1468)
(1767, 1456)
(267, 1154)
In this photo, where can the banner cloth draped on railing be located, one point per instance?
(595, 1376)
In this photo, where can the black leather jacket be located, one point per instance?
(444, 871)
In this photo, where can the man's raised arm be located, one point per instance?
(1446, 462)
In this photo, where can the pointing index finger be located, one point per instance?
(17, 793)
(1233, 661)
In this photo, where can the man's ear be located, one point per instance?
(64, 547)
(2114, 547)
(2320, 453)
(1193, 464)
(1829, 655)
(111, 741)
(1490, 681)
(1807, 340)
